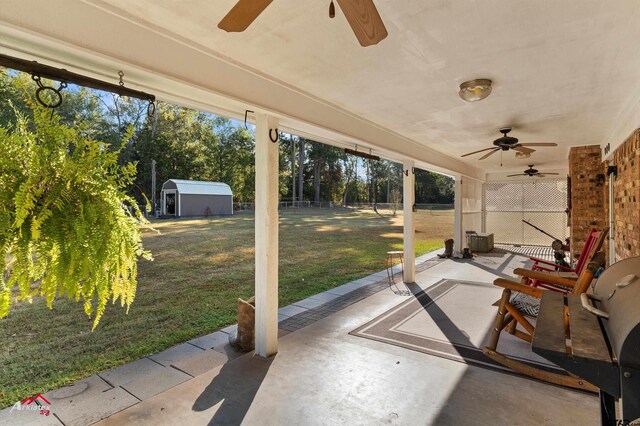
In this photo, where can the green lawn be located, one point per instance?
(201, 267)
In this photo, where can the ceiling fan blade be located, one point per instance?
(551, 174)
(365, 21)
(523, 149)
(540, 175)
(475, 152)
(519, 174)
(242, 15)
(539, 144)
(489, 154)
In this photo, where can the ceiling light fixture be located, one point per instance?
(523, 154)
(475, 90)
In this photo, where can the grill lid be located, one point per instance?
(619, 290)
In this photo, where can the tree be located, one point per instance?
(64, 221)
(434, 188)
(301, 142)
(236, 153)
(350, 166)
(326, 171)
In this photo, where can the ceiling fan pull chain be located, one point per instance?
(332, 10)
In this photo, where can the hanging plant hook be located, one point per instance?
(151, 108)
(57, 96)
(277, 137)
(246, 111)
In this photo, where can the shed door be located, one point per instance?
(542, 203)
(170, 202)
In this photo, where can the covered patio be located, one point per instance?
(324, 374)
(336, 366)
(562, 73)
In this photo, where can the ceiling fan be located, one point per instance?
(362, 15)
(505, 143)
(531, 172)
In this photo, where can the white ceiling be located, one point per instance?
(563, 70)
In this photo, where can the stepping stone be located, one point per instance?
(310, 303)
(201, 362)
(219, 342)
(210, 341)
(232, 329)
(372, 279)
(361, 282)
(176, 353)
(228, 351)
(78, 392)
(144, 378)
(343, 289)
(291, 310)
(94, 408)
(24, 417)
(325, 296)
(378, 275)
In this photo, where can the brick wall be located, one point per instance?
(626, 197)
(587, 195)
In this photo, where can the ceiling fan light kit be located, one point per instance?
(531, 172)
(475, 90)
(506, 143)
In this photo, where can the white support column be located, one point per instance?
(458, 235)
(266, 235)
(409, 199)
(483, 213)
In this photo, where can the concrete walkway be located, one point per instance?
(104, 394)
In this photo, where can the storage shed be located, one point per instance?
(184, 198)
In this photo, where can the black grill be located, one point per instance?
(604, 333)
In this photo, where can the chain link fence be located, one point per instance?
(434, 209)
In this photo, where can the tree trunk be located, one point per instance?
(293, 168)
(154, 127)
(373, 184)
(317, 166)
(388, 184)
(301, 170)
(349, 172)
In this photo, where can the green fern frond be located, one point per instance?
(63, 220)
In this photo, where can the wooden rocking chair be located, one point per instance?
(592, 244)
(520, 301)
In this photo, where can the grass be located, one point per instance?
(201, 267)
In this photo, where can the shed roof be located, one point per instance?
(198, 187)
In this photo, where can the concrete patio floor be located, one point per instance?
(323, 375)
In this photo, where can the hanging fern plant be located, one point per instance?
(65, 223)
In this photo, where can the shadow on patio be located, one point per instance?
(235, 386)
